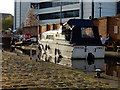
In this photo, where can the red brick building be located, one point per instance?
(109, 25)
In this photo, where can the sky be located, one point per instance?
(7, 6)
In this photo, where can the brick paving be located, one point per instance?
(18, 71)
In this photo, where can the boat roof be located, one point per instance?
(80, 22)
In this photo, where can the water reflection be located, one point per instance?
(23, 51)
(111, 67)
(84, 66)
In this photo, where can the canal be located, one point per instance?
(108, 66)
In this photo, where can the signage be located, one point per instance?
(27, 36)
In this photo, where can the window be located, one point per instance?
(118, 7)
(75, 13)
(54, 4)
(87, 32)
(115, 29)
(68, 14)
(45, 5)
(65, 14)
(50, 37)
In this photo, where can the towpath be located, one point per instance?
(18, 72)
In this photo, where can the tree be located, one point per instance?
(7, 23)
(19, 31)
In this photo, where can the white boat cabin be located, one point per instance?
(76, 39)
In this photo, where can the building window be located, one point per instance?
(116, 29)
(54, 4)
(65, 14)
(45, 5)
(68, 14)
(118, 7)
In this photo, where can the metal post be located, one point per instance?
(100, 8)
(31, 52)
(60, 12)
(20, 14)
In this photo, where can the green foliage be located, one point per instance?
(7, 23)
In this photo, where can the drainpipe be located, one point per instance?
(81, 9)
(107, 28)
(92, 9)
(100, 8)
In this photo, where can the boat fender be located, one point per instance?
(39, 47)
(46, 47)
(38, 56)
(90, 59)
(59, 52)
(85, 48)
(60, 56)
(42, 46)
(56, 51)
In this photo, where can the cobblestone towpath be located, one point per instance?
(19, 72)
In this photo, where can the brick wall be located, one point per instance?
(112, 22)
(48, 27)
(52, 27)
(32, 30)
(43, 28)
(101, 23)
(106, 26)
(118, 35)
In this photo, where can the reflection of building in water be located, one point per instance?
(87, 66)
(112, 68)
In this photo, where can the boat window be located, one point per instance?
(50, 37)
(87, 32)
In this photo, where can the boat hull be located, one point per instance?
(73, 52)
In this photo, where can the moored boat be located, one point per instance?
(76, 39)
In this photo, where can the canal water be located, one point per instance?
(108, 66)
